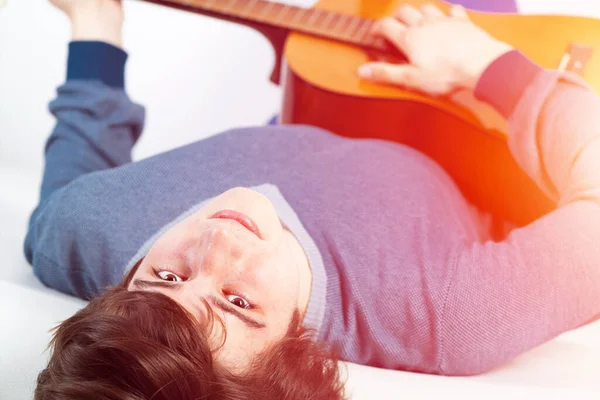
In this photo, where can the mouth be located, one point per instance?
(242, 219)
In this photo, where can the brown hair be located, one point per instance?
(134, 345)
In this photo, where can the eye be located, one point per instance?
(238, 301)
(168, 276)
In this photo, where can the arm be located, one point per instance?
(97, 125)
(543, 279)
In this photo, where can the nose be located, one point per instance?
(216, 252)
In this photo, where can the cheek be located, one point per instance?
(170, 245)
(283, 290)
(277, 276)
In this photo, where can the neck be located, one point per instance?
(313, 21)
(304, 273)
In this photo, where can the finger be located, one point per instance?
(431, 11)
(409, 15)
(458, 11)
(403, 75)
(392, 30)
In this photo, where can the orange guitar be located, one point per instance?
(320, 49)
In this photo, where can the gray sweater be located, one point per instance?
(405, 275)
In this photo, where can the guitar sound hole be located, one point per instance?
(378, 56)
(390, 55)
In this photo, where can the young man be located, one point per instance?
(273, 230)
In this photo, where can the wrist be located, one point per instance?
(475, 67)
(97, 24)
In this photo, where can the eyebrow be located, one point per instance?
(224, 306)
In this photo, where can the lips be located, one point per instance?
(240, 218)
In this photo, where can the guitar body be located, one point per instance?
(321, 88)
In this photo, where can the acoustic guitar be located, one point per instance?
(320, 49)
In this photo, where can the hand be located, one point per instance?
(446, 52)
(94, 19)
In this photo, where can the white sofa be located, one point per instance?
(174, 60)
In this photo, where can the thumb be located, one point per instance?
(458, 11)
(403, 75)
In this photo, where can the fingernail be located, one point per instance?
(365, 72)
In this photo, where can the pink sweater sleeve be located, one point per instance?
(543, 279)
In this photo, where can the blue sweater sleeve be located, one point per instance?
(96, 61)
(97, 124)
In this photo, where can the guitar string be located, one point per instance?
(267, 7)
(348, 34)
(339, 22)
(230, 5)
(352, 26)
(299, 14)
(279, 16)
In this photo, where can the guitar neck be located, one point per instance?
(313, 21)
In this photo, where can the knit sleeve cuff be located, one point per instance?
(504, 81)
(94, 60)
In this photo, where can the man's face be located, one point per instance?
(254, 279)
